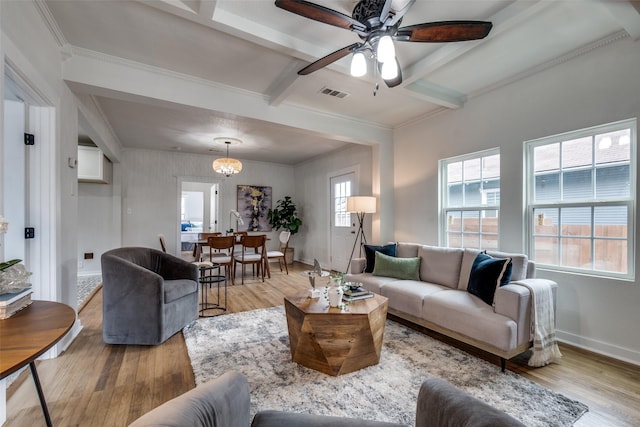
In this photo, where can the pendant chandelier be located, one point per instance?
(226, 165)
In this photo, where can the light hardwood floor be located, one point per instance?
(94, 384)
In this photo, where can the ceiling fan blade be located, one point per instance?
(447, 31)
(329, 59)
(320, 13)
(396, 81)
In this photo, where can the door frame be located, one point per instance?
(355, 169)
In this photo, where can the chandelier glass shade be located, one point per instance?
(227, 166)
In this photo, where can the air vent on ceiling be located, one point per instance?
(333, 92)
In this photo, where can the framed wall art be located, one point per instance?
(254, 201)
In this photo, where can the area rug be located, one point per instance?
(256, 343)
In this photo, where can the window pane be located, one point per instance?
(576, 185)
(489, 242)
(454, 172)
(610, 221)
(454, 240)
(491, 166)
(545, 222)
(454, 221)
(454, 196)
(547, 187)
(577, 152)
(613, 147)
(470, 221)
(471, 169)
(545, 250)
(471, 241)
(613, 182)
(472, 194)
(611, 255)
(546, 158)
(576, 221)
(490, 222)
(576, 253)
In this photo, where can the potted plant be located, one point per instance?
(284, 217)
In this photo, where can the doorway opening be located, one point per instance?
(199, 208)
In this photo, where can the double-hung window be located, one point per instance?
(470, 200)
(581, 199)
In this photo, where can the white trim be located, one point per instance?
(600, 347)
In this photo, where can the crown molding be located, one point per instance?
(50, 22)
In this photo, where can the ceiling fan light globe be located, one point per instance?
(386, 52)
(358, 65)
(389, 70)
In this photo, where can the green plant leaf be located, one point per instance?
(7, 264)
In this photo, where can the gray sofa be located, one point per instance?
(225, 402)
(438, 298)
(148, 295)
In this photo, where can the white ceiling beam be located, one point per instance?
(627, 13)
(207, 9)
(104, 75)
(281, 88)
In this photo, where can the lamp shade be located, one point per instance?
(227, 166)
(358, 204)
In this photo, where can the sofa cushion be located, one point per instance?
(468, 257)
(370, 282)
(519, 263)
(407, 295)
(176, 289)
(468, 315)
(407, 250)
(370, 254)
(399, 268)
(440, 265)
(487, 275)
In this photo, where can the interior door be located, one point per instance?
(343, 229)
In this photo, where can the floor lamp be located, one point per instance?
(360, 205)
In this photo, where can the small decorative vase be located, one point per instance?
(335, 296)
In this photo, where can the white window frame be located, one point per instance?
(630, 202)
(444, 209)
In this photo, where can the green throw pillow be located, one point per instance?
(400, 268)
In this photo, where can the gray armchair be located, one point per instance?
(148, 295)
(225, 402)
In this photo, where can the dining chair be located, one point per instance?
(253, 252)
(221, 252)
(163, 242)
(201, 245)
(282, 249)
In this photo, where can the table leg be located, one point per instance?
(43, 402)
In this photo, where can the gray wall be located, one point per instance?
(596, 88)
(312, 193)
(151, 194)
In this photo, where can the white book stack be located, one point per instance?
(11, 303)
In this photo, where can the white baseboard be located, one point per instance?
(600, 347)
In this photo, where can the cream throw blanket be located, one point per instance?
(545, 347)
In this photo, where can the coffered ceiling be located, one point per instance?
(229, 68)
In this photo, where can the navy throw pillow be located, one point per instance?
(370, 254)
(487, 275)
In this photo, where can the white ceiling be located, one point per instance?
(250, 49)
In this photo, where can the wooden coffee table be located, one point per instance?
(332, 341)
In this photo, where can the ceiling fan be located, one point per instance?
(377, 23)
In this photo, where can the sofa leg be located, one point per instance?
(503, 363)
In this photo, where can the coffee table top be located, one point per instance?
(303, 302)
